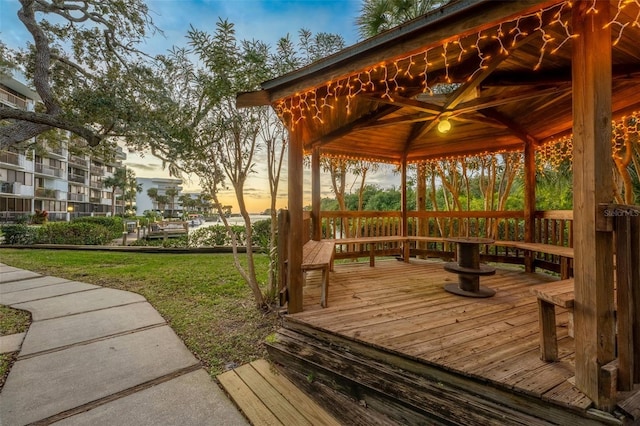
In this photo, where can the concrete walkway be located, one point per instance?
(100, 356)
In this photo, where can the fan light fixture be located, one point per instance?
(444, 126)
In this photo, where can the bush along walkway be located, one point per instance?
(101, 356)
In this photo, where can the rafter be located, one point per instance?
(372, 117)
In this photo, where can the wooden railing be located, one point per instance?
(550, 227)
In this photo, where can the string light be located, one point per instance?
(616, 21)
(624, 132)
(384, 79)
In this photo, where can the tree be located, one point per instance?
(188, 203)
(225, 141)
(125, 180)
(162, 201)
(84, 63)
(171, 193)
(377, 16)
(153, 194)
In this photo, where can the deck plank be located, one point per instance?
(402, 307)
(270, 396)
(305, 405)
(247, 400)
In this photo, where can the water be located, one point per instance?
(233, 220)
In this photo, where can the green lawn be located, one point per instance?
(202, 296)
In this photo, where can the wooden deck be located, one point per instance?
(402, 308)
(267, 398)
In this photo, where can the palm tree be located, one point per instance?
(162, 200)
(187, 202)
(153, 194)
(114, 183)
(171, 193)
(377, 16)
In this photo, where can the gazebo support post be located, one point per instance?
(529, 200)
(295, 281)
(315, 193)
(592, 184)
(405, 224)
(421, 205)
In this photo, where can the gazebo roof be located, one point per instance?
(499, 72)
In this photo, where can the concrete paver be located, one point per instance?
(29, 284)
(101, 356)
(11, 343)
(191, 399)
(20, 274)
(78, 302)
(39, 293)
(63, 331)
(48, 384)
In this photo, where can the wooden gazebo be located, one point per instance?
(503, 76)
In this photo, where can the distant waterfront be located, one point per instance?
(233, 220)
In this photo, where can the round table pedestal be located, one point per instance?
(469, 269)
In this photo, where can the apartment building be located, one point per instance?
(162, 202)
(55, 178)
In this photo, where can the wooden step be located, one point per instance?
(404, 397)
(268, 398)
(406, 390)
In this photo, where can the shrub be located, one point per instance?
(19, 234)
(210, 236)
(40, 217)
(114, 224)
(216, 235)
(262, 234)
(76, 233)
(176, 242)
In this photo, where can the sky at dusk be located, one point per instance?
(265, 20)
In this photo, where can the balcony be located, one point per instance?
(13, 100)
(47, 193)
(10, 158)
(77, 161)
(77, 178)
(95, 200)
(53, 150)
(97, 170)
(77, 197)
(9, 187)
(48, 171)
(96, 184)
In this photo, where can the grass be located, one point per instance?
(12, 321)
(202, 296)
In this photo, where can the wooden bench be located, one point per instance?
(564, 253)
(319, 255)
(558, 293)
(369, 243)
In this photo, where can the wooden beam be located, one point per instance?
(554, 76)
(315, 193)
(296, 228)
(592, 185)
(510, 97)
(405, 119)
(407, 102)
(511, 125)
(372, 117)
